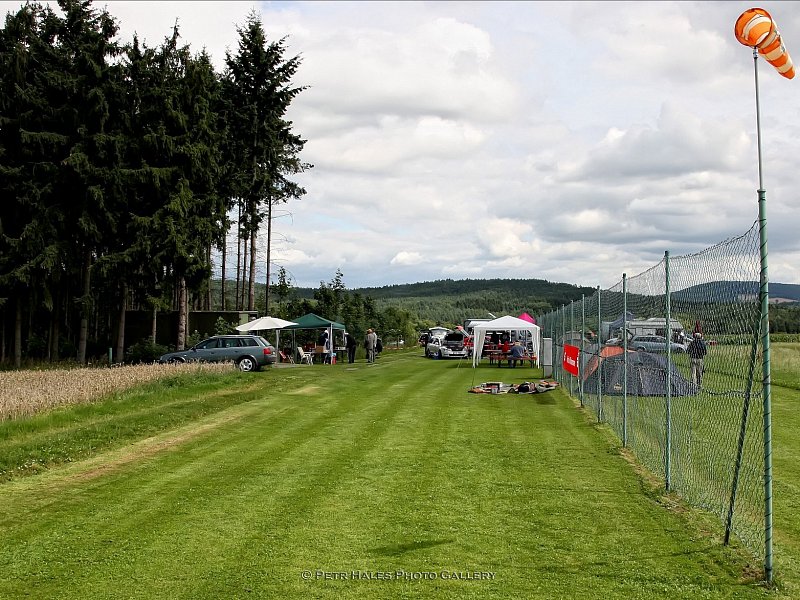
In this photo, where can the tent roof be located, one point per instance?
(507, 323)
(264, 323)
(312, 321)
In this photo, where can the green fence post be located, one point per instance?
(583, 337)
(624, 360)
(764, 294)
(668, 374)
(599, 362)
(560, 359)
(571, 331)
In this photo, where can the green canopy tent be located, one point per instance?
(312, 321)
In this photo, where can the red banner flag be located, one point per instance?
(570, 362)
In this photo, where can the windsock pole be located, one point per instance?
(766, 371)
(756, 28)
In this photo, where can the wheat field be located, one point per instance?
(25, 393)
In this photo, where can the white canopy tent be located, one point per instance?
(266, 323)
(263, 323)
(506, 323)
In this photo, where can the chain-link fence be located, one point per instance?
(694, 418)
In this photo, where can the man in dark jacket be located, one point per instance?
(350, 343)
(697, 351)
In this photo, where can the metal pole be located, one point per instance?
(668, 377)
(571, 331)
(563, 335)
(599, 362)
(764, 296)
(624, 360)
(583, 337)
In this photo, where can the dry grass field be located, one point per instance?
(28, 392)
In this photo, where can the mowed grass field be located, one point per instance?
(361, 481)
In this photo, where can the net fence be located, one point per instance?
(693, 419)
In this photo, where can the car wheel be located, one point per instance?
(176, 361)
(246, 364)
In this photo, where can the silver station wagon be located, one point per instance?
(248, 352)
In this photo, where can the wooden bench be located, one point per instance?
(501, 359)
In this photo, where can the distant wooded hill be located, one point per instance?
(731, 291)
(452, 301)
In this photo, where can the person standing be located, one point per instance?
(370, 341)
(697, 352)
(350, 344)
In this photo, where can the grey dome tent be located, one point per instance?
(647, 376)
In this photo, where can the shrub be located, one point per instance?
(195, 338)
(144, 352)
(223, 327)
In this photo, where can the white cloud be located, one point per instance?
(572, 141)
(407, 258)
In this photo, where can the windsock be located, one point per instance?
(755, 28)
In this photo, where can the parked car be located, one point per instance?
(248, 352)
(433, 340)
(452, 345)
(653, 343)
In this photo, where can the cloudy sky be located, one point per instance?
(569, 141)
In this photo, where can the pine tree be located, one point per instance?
(263, 151)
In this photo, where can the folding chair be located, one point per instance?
(305, 357)
(285, 358)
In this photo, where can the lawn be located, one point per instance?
(360, 481)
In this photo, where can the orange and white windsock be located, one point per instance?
(755, 28)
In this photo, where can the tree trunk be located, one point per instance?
(224, 252)
(54, 328)
(243, 289)
(207, 301)
(269, 253)
(18, 334)
(251, 289)
(2, 336)
(154, 324)
(119, 353)
(238, 256)
(181, 314)
(83, 334)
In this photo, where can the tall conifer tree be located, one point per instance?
(263, 149)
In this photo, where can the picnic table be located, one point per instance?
(499, 357)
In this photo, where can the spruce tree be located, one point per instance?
(263, 151)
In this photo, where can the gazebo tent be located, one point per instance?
(506, 323)
(265, 324)
(312, 321)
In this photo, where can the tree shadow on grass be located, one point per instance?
(398, 549)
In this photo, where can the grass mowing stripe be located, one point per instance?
(29, 445)
(391, 466)
(207, 506)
